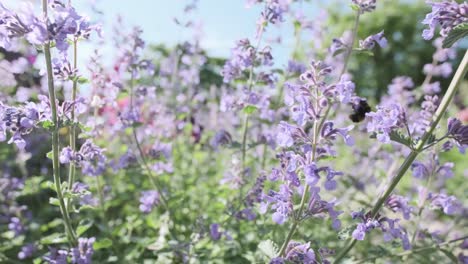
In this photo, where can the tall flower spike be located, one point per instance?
(447, 15)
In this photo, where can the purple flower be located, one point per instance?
(300, 253)
(429, 106)
(344, 89)
(458, 131)
(286, 134)
(399, 203)
(221, 137)
(449, 204)
(365, 5)
(148, 200)
(56, 256)
(446, 14)
(16, 226)
(281, 202)
(329, 133)
(369, 42)
(360, 232)
(26, 251)
(243, 57)
(385, 120)
(83, 253)
(214, 232)
(443, 69)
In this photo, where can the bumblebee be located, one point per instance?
(360, 109)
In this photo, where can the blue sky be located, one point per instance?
(224, 22)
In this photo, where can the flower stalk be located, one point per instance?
(317, 127)
(454, 84)
(55, 139)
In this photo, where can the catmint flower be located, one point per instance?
(243, 57)
(329, 132)
(281, 202)
(344, 89)
(443, 69)
(148, 200)
(317, 206)
(19, 121)
(392, 230)
(287, 134)
(299, 253)
(56, 256)
(22, 24)
(221, 137)
(296, 67)
(400, 90)
(16, 226)
(83, 253)
(458, 131)
(428, 108)
(386, 120)
(447, 15)
(431, 88)
(399, 203)
(214, 232)
(449, 204)
(369, 42)
(26, 251)
(362, 228)
(365, 5)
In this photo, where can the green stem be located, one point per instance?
(421, 209)
(416, 250)
(55, 139)
(350, 48)
(72, 168)
(457, 78)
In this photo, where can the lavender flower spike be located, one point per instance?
(447, 14)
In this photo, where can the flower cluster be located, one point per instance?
(446, 14)
(90, 158)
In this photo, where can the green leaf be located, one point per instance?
(268, 248)
(55, 238)
(47, 124)
(346, 232)
(82, 80)
(104, 243)
(54, 201)
(249, 109)
(449, 255)
(50, 155)
(363, 52)
(400, 138)
(83, 226)
(457, 33)
(355, 7)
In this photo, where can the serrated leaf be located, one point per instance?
(346, 232)
(457, 33)
(249, 109)
(449, 255)
(268, 248)
(103, 243)
(400, 138)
